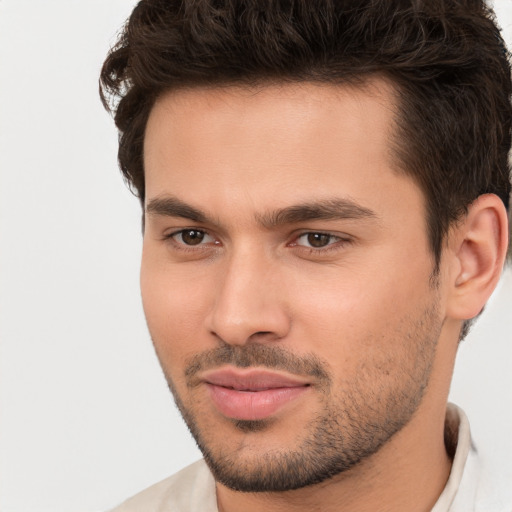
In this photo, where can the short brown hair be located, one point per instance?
(446, 59)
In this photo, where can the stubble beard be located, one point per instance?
(350, 427)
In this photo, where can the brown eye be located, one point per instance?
(318, 239)
(191, 237)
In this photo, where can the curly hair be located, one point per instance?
(446, 59)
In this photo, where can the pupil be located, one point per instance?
(318, 239)
(192, 237)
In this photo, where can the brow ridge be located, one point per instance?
(171, 206)
(324, 209)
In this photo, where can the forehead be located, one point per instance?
(273, 145)
(268, 113)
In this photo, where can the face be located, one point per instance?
(286, 277)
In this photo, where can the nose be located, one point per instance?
(249, 304)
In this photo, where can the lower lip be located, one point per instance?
(252, 405)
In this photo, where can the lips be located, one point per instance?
(252, 394)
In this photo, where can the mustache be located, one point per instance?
(244, 356)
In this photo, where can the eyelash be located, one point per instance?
(337, 242)
(334, 241)
(181, 246)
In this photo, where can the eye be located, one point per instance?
(317, 240)
(191, 237)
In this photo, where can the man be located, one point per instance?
(324, 187)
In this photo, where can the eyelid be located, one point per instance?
(338, 241)
(171, 236)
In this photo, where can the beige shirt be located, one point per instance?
(193, 488)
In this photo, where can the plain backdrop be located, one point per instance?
(86, 417)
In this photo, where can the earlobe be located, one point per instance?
(480, 240)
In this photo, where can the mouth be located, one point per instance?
(252, 394)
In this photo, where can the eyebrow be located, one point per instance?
(173, 207)
(324, 209)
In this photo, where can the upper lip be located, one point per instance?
(251, 379)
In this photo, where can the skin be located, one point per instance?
(362, 305)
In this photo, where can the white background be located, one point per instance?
(86, 418)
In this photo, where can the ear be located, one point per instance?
(478, 248)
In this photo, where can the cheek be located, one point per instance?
(175, 305)
(353, 315)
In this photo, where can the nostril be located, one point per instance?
(238, 320)
(262, 336)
